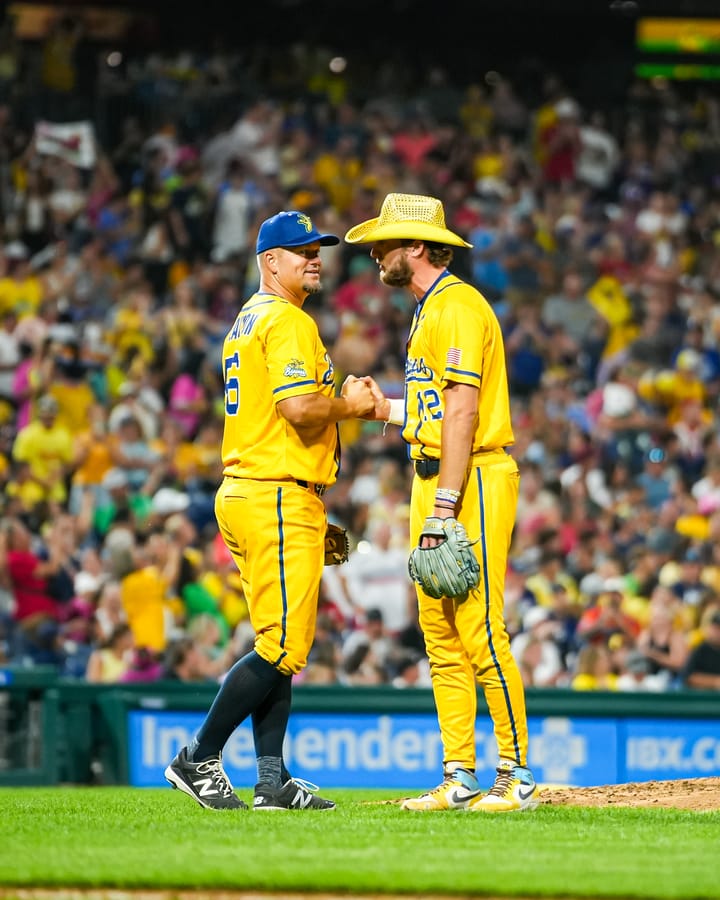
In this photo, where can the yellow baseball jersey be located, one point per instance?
(274, 351)
(455, 336)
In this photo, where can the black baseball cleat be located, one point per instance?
(294, 794)
(206, 782)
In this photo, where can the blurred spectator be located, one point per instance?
(93, 459)
(373, 636)
(48, 449)
(702, 671)
(325, 658)
(565, 613)
(21, 291)
(549, 574)
(575, 322)
(663, 641)
(22, 383)
(361, 667)
(133, 455)
(109, 611)
(657, 479)
(30, 574)
(255, 136)
(144, 666)
(606, 617)
(623, 422)
(9, 356)
(234, 206)
(688, 586)
(137, 402)
(536, 651)
(525, 263)
(527, 343)
(411, 670)
(187, 402)
(707, 361)
(562, 144)
(376, 578)
(636, 675)
(183, 660)
(593, 669)
(115, 503)
(510, 111)
(150, 606)
(599, 157)
(706, 490)
(693, 430)
(59, 72)
(475, 112)
(538, 506)
(488, 272)
(210, 639)
(111, 659)
(38, 643)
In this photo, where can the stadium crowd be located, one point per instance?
(596, 237)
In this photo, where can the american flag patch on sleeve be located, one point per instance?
(453, 357)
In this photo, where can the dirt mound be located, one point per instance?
(694, 794)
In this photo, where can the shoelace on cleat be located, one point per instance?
(213, 768)
(305, 785)
(450, 777)
(503, 782)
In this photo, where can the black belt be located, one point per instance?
(319, 489)
(427, 468)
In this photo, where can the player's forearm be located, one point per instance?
(454, 458)
(458, 430)
(316, 410)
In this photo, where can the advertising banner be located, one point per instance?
(403, 752)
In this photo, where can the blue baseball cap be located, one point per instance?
(291, 229)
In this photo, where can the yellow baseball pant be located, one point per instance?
(466, 638)
(276, 534)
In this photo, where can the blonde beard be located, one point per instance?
(400, 275)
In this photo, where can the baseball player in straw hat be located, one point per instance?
(455, 417)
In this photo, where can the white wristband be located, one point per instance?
(396, 416)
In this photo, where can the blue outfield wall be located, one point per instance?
(403, 751)
(66, 731)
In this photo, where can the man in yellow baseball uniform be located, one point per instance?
(455, 417)
(280, 452)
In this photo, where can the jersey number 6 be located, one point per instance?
(232, 384)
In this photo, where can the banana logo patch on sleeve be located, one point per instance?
(295, 369)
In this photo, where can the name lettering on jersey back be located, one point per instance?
(417, 370)
(243, 325)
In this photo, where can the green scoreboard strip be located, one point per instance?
(678, 49)
(678, 71)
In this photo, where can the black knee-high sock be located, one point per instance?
(243, 691)
(270, 720)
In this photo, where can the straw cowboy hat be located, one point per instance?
(406, 216)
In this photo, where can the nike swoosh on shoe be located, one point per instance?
(457, 797)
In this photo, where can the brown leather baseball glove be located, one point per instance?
(337, 546)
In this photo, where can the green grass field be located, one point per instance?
(126, 838)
